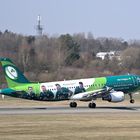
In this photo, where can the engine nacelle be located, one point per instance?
(116, 96)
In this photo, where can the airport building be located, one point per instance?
(110, 55)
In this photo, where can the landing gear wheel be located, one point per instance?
(92, 105)
(73, 104)
(132, 101)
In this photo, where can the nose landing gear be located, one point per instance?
(131, 99)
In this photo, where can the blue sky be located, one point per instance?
(104, 18)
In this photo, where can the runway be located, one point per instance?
(67, 110)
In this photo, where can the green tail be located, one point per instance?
(13, 75)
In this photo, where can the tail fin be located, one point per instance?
(13, 75)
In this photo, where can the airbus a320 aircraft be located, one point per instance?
(110, 88)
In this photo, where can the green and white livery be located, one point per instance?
(110, 88)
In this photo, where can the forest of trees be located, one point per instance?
(68, 56)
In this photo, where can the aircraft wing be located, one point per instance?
(91, 95)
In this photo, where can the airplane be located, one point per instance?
(109, 88)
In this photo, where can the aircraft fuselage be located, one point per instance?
(63, 90)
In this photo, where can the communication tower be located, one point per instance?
(39, 27)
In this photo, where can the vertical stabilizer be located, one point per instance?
(13, 75)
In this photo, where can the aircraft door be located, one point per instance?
(135, 81)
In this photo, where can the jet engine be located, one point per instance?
(116, 96)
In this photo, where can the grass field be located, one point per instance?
(95, 126)
(70, 127)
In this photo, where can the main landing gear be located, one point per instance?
(90, 105)
(131, 99)
(73, 104)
